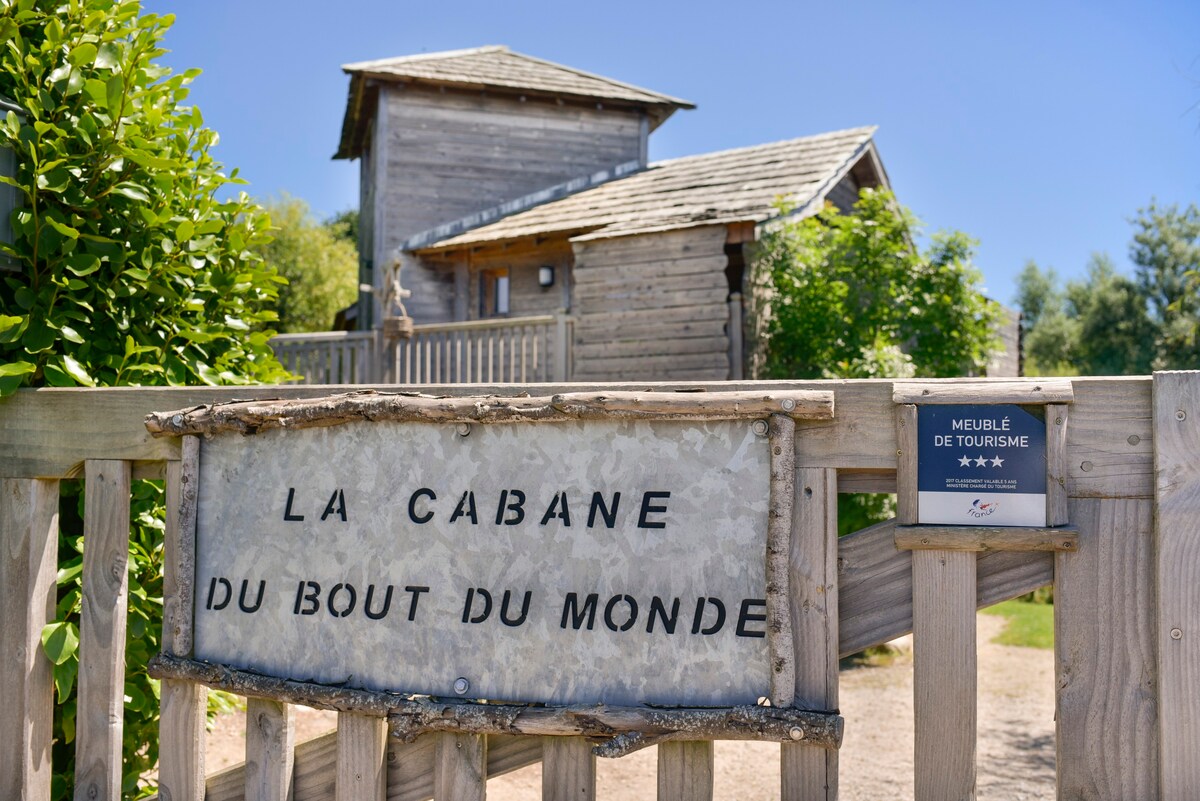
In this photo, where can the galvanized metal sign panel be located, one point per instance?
(576, 562)
(981, 464)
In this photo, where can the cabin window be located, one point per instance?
(493, 292)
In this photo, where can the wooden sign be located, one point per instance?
(481, 562)
(621, 549)
(981, 464)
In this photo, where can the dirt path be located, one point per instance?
(1016, 738)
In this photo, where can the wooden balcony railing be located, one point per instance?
(509, 350)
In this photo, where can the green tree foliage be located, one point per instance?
(344, 225)
(1049, 330)
(1166, 250)
(130, 271)
(319, 262)
(850, 296)
(1109, 324)
(1115, 335)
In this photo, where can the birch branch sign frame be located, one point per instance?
(609, 564)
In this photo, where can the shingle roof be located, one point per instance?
(497, 68)
(739, 185)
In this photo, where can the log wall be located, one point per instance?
(652, 307)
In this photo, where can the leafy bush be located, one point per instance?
(130, 271)
(851, 296)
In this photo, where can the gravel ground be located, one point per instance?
(1016, 738)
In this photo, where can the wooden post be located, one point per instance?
(568, 769)
(1056, 464)
(736, 342)
(183, 703)
(100, 709)
(906, 464)
(808, 773)
(1104, 654)
(1177, 553)
(28, 566)
(561, 344)
(460, 767)
(361, 758)
(944, 671)
(270, 750)
(944, 674)
(685, 771)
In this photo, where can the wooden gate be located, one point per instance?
(1127, 652)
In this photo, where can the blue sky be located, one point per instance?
(1037, 127)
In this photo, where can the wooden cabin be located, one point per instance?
(536, 239)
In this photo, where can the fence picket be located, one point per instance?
(270, 750)
(183, 704)
(99, 717)
(808, 773)
(568, 769)
(460, 767)
(944, 674)
(361, 758)
(28, 565)
(685, 771)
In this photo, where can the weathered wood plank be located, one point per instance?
(270, 750)
(410, 717)
(460, 770)
(361, 758)
(28, 565)
(568, 769)
(182, 707)
(1104, 644)
(685, 771)
(986, 538)
(255, 416)
(906, 469)
(99, 717)
(1177, 553)
(807, 773)
(649, 347)
(183, 704)
(599, 321)
(1006, 390)
(780, 596)
(945, 704)
(49, 432)
(1057, 417)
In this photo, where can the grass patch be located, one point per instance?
(1027, 625)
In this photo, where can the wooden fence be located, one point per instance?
(1127, 653)
(507, 350)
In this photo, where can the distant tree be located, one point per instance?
(344, 225)
(1166, 250)
(851, 296)
(1109, 324)
(1114, 333)
(318, 260)
(1049, 331)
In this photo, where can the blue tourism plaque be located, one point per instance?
(981, 465)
